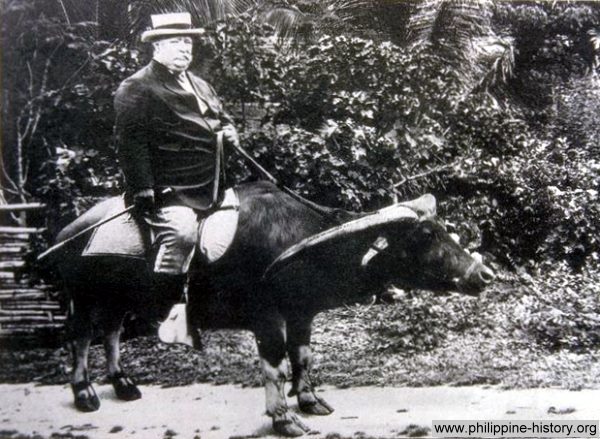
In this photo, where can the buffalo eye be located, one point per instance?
(427, 235)
(423, 237)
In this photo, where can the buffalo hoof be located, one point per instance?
(125, 388)
(86, 399)
(313, 405)
(289, 425)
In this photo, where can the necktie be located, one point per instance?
(183, 80)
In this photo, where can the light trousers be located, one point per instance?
(174, 232)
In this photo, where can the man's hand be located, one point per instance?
(231, 135)
(144, 201)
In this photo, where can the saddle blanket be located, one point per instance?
(123, 235)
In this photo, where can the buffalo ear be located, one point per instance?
(379, 245)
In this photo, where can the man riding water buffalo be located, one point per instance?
(171, 130)
(288, 259)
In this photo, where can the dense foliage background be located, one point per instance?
(491, 106)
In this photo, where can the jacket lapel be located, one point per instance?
(205, 93)
(181, 102)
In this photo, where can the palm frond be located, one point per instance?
(293, 19)
(287, 20)
(298, 19)
(348, 9)
(449, 26)
(495, 61)
(594, 35)
(455, 31)
(204, 12)
(424, 22)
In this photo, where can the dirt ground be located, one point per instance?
(215, 412)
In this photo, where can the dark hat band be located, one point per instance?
(181, 26)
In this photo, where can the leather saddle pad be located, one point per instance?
(123, 235)
(120, 237)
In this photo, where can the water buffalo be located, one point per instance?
(254, 287)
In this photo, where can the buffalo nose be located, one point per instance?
(486, 275)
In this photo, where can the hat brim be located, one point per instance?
(157, 34)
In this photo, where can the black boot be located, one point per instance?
(167, 290)
(198, 302)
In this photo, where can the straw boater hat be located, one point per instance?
(170, 25)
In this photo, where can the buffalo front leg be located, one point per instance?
(124, 387)
(298, 346)
(270, 338)
(85, 397)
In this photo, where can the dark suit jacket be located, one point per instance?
(163, 140)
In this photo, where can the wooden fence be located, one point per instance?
(25, 311)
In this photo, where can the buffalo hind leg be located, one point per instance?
(270, 338)
(124, 387)
(85, 397)
(298, 346)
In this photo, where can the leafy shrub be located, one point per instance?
(562, 311)
(557, 310)
(577, 114)
(352, 123)
(334, 168)
(343, 132)
(75, 160)
(377, 125)
(540, 204)
(73, 180)
(551, 44)
(60, 79)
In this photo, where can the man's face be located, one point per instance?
(174, 53)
